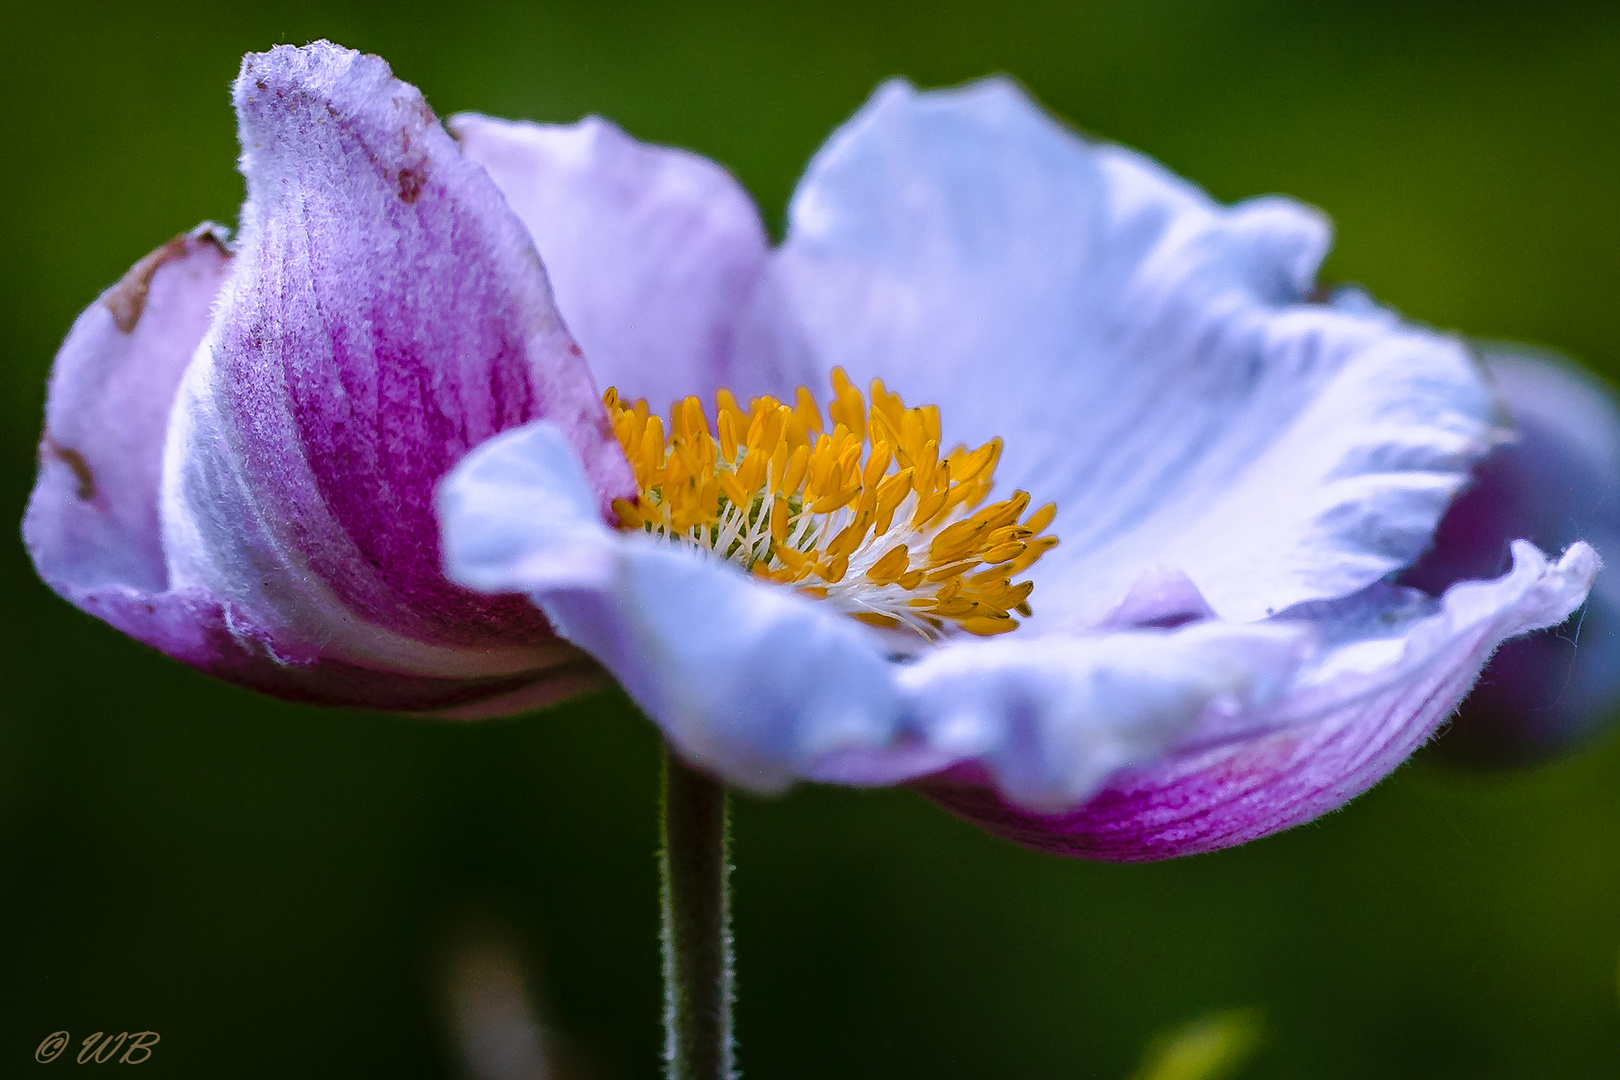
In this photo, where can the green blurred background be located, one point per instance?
(272, 888)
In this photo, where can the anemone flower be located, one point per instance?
(1117, 582)
(1233, 462)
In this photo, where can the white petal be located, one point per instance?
(1149, 356)
(745, 679)
(1050, 718)
(764, 686)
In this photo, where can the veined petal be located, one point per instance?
(1153, 360)
(1393, 666)
(1556, 482)
(385, 312)
(93, 529)
(654, 253)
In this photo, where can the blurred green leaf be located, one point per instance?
(1213, 1047)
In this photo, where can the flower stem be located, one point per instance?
(694, 867)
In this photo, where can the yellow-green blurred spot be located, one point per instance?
(1212, 1047)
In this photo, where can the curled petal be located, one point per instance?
(765, 687)
(1556, 482)
(654, 253)
(744, 678)
(240, 449)
(92, 525)
(1392, 667)
(1047, 720)
(93, 516)
(385, 312)
(1155, 362)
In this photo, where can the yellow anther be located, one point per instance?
(877, 465)
(1005, 513)
(955, 539)
(779, 461)
(953, 570)
(629, 518)
(728, 437)
(894, 489)
(691, 420)
(1020, 592)
(805, 407)
(926, 461)
(954, 608)
(930, 418)
(893, 531)
(977, 462)
(985, 626)
(850, 538)
(887, 404)
(847, 406)
(835, 500)
(733, 489)
(1040, 519)
(928, 506)
(893, 563)
(797, 467)
(1032, 551)
(1002, 552)
(1007, 534)
(726, 405)
(752, 472)
(791, 559)
(794, 432)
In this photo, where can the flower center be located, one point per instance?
(867, 516)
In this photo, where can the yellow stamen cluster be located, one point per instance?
(867, 516)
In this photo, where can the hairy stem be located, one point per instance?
(694, 867)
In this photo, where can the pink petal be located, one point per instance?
(93, 516)
(655, 254)
(1374, 696)
(263, 530)
(92, 525)
(385, 314)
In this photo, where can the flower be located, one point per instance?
(1234, 468)
(1212, 652)
(1556, 482)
